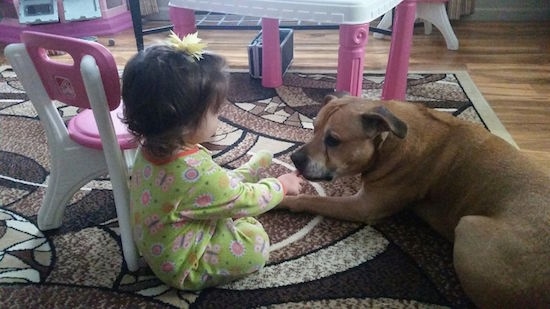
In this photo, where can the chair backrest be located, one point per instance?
(63, 81)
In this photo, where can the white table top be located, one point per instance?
(322, 11)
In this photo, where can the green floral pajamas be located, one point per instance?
(193, 220)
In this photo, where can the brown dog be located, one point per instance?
(469, 185)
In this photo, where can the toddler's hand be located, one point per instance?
(292, 183)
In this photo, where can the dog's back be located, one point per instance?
(499, 201)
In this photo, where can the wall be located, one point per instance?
(511, 10)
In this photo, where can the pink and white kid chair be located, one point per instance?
(94, 142)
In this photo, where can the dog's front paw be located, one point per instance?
(289, 202)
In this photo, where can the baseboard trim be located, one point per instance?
(510, 14)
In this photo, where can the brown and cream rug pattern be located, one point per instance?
(315, 261)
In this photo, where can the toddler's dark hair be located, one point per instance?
(165, 92)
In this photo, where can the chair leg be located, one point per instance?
(427, 27)
(129, 249)
(431, 13)
(436, 14)
(385, 24)
(121, 192)
(67, 176)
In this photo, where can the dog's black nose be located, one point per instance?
(299, 158)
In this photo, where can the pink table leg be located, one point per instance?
(351, 55)
(395, 84)
(183, 20)
(272, 75)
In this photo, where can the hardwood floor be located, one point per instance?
(509, 63)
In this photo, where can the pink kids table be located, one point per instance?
(353, 16)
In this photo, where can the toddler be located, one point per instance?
(192, 220)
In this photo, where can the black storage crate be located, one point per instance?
(286, 37)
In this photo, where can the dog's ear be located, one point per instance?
(334, 95)
(340, 93)
(382, 120)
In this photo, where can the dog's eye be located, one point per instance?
(331, 141)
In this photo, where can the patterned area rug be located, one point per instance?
(315, 261)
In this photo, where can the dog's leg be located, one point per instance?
(497, 265)
(340, 207)
(358, 207)
(473, 254)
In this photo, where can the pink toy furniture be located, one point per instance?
(353, 16)
(92, 143)
(114, 17)
(431, 12)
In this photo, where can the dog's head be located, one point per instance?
(347, 132)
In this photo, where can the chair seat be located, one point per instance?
(83, 130)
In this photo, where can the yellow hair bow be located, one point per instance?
(189, 44)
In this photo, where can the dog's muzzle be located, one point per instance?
(309, 169)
